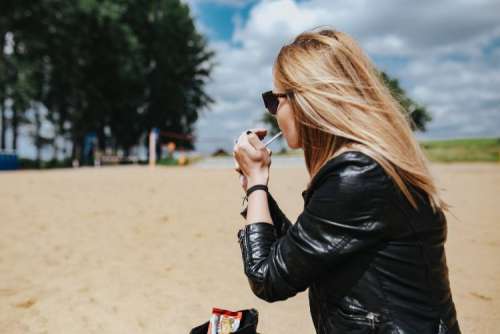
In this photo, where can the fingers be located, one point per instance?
(237, 169)
(242, 139)
(238, 147)
(237, 166)
(255, 142)
(250, 145)
(260, 132)
(243, 182)
(244, 145)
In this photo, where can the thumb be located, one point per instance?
(260, 132)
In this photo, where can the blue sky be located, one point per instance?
(445, 54)
(219, 18)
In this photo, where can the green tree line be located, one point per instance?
(116, 68)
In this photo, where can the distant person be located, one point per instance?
(369, 243)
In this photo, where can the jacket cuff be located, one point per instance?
(264, 230)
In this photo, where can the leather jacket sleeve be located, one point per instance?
(280, 221)
(342, 218)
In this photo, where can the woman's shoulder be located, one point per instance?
(350, 164)
(349, 184)
(352, 174)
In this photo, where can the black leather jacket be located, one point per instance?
(371, 262)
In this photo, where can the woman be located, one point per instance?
(369, 244)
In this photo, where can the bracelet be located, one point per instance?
(256, 187)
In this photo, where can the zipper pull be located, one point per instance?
(372, 317)
(240, 235)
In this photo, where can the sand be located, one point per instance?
(135, 250)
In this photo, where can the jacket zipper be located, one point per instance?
(240, 235)
(372, 318)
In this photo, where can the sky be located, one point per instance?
(446, 55)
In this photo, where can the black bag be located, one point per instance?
(248, 324)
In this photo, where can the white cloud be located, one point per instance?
(461, 92)
(442, 43)
(272, 23)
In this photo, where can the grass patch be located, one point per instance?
(472, 149)
(454, 150)
(171, 161)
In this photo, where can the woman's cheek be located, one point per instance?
(292, 141)
(280, 125)
(291, 133)
(278, 120)
(284, 127)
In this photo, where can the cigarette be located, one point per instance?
(273, 139)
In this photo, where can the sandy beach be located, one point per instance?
(139, 250)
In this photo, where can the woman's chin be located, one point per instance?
(292, 146)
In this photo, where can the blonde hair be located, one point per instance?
(340, 101)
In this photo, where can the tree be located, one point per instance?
(177, 64)
(117, 68)
(419, 115)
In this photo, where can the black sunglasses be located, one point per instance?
(271, 100)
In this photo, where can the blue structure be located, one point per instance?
(8, 161)
(89, 145)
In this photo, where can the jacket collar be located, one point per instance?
(326, 170)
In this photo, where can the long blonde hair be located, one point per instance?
(339, 101)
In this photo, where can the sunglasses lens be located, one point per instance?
(271, 102)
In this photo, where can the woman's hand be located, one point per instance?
(243, 178)
(252, 158)
(243, 182)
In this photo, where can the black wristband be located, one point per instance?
(256, 187)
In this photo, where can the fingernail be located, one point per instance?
(249, 132)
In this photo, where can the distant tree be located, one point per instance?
(177, 64)
(17, 87)
(4, 24)
(418, 114)
(117, 68)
